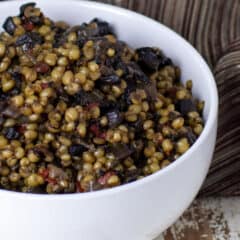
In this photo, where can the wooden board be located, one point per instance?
(213, 27)
(207, 219)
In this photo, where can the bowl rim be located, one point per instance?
(212, 116)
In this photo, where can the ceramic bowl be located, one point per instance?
(135, 211)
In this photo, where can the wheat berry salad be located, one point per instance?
(81, 111)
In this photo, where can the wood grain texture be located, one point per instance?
(213, 27)
(207, 219)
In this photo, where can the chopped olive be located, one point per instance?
(114, 118)
(112, 79)
(103, 28)
(3, 96)
(18, 83)
(137, 147)
(120, 151)
(36, 20)
(11, 133)
(25, 6)
(59, 36)
(107, 105)
(131, 176)
(191, 136)
(185, 106)
(151, 59)
(10, 111)
(148, 58)
(76, 149)
(85, 98)
(9, 26)
(138, 126)
(30, 39)
(135, 74)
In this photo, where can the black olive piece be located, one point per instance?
(9, 26)
(137, 146)
(138, 126)
(35, 190)
(103, 28)
(147, 58)
(191, 136)
(174, 136)
(84, 98)
(106, 71)
(38, 21)
(76, 149)
(111, 61)
(151, 59)
(10, 111)
(17, 77)
(43, 151)
(24, 6)
(1, 121)
(151, 90)
(185, 106)
(112, 79)
(62, 95)
(126, 95)
(3, 96)
(173, 115)
(11, 133)
(120, 150)
(30, 39)
(107, 106)
(3, 104)
(123, 66)
(84, 34)
(131, 176)
(165, 62)
(81, 40)
(136, 74)
(100, 173)
(122, 105)
(114, 118)
(59, 37)
(155, 117)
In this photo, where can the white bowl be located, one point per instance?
(136, 211)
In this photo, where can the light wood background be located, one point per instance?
(207, 219)
(213, 27)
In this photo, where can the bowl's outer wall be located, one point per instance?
(141, 212)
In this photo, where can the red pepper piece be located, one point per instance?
(94, 128)
(92, 105)
(103, 180)
(79, 189)
(44, 173)
(28, 26)
(103, 135)
(44, 85)
(42, 67)
(51, 180)
(21, 128)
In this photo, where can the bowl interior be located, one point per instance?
(139, 31)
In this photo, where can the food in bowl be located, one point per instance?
(82, 111)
